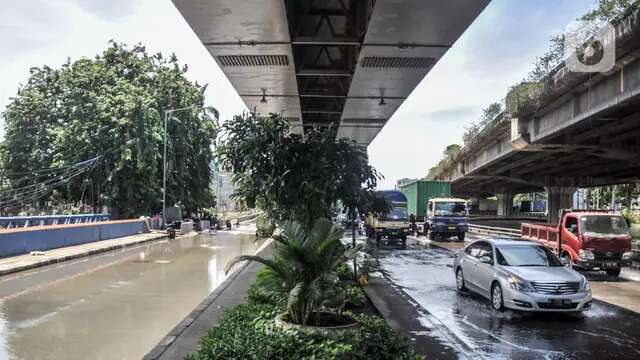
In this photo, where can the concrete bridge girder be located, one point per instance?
(343, 64)
(584, 130)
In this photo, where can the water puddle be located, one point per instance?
(119, 311)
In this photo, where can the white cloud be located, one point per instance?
(66, 29)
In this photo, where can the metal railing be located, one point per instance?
(11, 222)
(494, 231)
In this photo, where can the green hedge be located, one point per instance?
(266, 290)
(248, 332)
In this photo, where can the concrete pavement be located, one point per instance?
(25, 262)
(429, 337)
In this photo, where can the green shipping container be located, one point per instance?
(419, 192)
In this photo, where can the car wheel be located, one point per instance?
(432, 235)
(496, 297)
(614, 272)
(460, 280)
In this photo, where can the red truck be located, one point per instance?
(588, 240)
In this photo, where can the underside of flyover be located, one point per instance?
(343, 64)
(603, 150)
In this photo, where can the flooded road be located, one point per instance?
(426, 275)
(114, 306)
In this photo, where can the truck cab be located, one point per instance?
(447, 217)
(393, 225)
(595, 241)
(587, 240)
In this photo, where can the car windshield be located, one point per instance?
(604, 225)
(450, 209)
(526, 255)
(397, 213)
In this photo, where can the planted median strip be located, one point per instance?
(304, 304)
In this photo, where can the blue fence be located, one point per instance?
(23, 241)
(11, 222)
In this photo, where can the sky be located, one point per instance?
(495, 52)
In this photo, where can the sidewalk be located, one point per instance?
(429, 337)
(25, 262)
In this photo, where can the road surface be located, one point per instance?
(425, 274)
(116, 305)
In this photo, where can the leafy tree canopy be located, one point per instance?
(112, 106)
(289, 176)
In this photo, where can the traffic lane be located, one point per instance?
(426, 276)
(623, 290)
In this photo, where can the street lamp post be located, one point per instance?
(167, 114)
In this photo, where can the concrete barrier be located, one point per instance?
(205, 225)
(186, 227)
(41, 238)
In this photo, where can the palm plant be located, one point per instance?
(305, 262)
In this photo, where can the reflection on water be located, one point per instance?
(121, 311)
(426, 276)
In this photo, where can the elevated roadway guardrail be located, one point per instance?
(494, 231)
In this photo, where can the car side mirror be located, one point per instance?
(486, 260)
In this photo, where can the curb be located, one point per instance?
(42, 263)
(462, 349)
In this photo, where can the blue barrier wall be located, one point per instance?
(22, 241)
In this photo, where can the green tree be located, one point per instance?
(112, 107)
(289, 176)
(607, 10)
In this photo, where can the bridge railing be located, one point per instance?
(11, 222)
(494, 231)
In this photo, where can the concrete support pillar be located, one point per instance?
(505, 204)
(558, 198)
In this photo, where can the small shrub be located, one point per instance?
(266, 289)
(378, 340)
(354, 297)
(248, 332)
(345, 271)
(264, 227)
(631, 216)
(304, 262)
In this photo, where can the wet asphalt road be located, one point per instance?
(116, 305)
(426, 275)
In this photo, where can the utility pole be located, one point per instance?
(164, 171)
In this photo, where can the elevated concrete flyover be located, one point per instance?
(348, 64)
(569, 130)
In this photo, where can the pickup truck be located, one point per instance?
(587, 240)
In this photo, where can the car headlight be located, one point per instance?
(585, 284)
(518, 284)
(586, 255)
(627, 255)
(462, 224)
